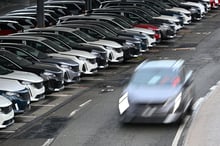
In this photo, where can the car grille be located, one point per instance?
(8, 122)
(103, 56)
(119, 50)
(38, 85)
(7, 109)
(25, 95)
(75, 68)
(60, 76)
(92, 61)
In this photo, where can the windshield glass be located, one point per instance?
(17, 59)
(122, 23)
(105, 32)
(85, 36)
(4, 71)
(66, 40)
(156, 77)
(55, 46)
(35, 52)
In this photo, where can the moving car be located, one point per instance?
(17, 93)
(6, 112)
(160, 91)
(31, 81)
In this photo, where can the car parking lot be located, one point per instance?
(111, 79)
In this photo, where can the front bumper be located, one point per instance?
(6, 119)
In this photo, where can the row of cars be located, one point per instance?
(39, 61)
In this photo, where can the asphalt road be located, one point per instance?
(85, 114)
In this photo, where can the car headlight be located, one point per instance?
(65, 66)
(49, 75)
(12, 94)
(25, 83)
(96, 54)
(81, 58)
(173, 104)
(129, 44)
(109, 48)
(193, 10)
(123, 103)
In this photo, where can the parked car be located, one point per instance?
(68, 66)
(9, 27)
(17, 93)
(159, 91)
(87, 62)
(31, 81)
(53, 76)
(102, 34)
(114, 50)
(6, 112)
(25, 22)
(101, 54)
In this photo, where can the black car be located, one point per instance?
(138, 38)
(53, 76)
(100, 53)
(159, 91)
(130, 50)
(69, 67)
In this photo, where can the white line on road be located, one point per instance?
(179, 132)
(85, 103)
(44, 105)
(48, 142)
(25, 116)
(73, 113)
(7, 131)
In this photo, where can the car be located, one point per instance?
(31, 81)
(116, 22)
(87, 62)
(17, 93)
(9, 27)
(159, 91)
(68, 66)
(25, 22)
(99, 33)
(114, 50)
(53, 76)
(6, 112)
(101, 54)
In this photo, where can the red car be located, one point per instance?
(9, 27)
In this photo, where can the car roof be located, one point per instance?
(174, 64)
(23, 37)
(53, 28)
(87, 17)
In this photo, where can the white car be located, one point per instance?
(6, 112)
(114, 51)
(196, 4)
(87, 61)
(30, 80)
(185, 13)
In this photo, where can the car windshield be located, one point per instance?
(35, 52)
(55, 46)
(4, 71)
(85, 36)
(17, 59)
(105, 32)
(66, 40)
(122, 23)
(156, 77)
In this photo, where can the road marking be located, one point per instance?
(179, 132)
(60, 95)
(182, 49)
(25, 117)
(85, 103)
(7, 131)
(73, 113)
(92, 79)
(48, 142)
(44, 105)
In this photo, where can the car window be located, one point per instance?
(6, 63)
(156, 77)
(4, 71)
(39, 46)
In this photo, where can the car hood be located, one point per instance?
(180, 10)
(59, 60)
(164, 17)
(107, 43)
(41, 67)
(140, 94)
(4, 102)
(192, 4)
(142, 30)
(78, 53)
(23, 76)
(10, 85)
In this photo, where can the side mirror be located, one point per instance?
(188, 78)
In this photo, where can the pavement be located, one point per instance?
(205, 127)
